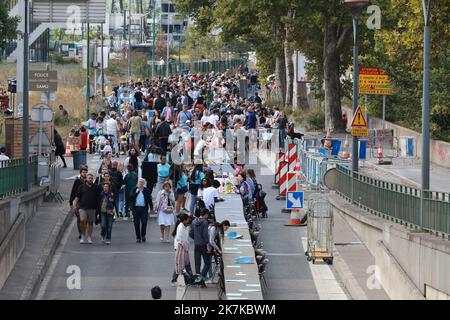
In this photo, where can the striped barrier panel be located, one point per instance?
(283, 177)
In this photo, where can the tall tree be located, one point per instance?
(8, 25)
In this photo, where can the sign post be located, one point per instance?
(359, 124)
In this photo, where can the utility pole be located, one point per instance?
(153, 38)
(168, 45)
(426, 98)
(129, 40)
(88, 94)
(25, 112)
(102, 64)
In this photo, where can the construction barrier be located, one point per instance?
(292, 155)
(283, 178)
(278, 161)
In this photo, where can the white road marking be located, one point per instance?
(114, 252)
(55, 260)
(328, 288)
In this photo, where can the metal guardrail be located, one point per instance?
(195, 67)
(427, 210)
(12, 178)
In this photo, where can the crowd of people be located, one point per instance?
(139, 124)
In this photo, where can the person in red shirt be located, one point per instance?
(84, 138)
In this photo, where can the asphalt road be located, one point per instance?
(127, 270)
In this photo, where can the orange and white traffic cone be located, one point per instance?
(345, 154)
(296, 219)
(68, 151)
(380, 154)
(297, 165)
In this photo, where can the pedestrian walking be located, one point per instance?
(141, 200)
(130, 182)
(181, 189)
(165, 203)
(199, 232)
(196, 177)
(81, 179)
(181, 246)
(86, 201)
(106, 211)
(163, 170)
(116, 184)
(60, 147)
(216, 232)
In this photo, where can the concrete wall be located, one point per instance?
(14, 214)
(439, 150)
(407, 261)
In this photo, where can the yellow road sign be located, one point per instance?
(360, 132)
(358, 118)
(375, 90)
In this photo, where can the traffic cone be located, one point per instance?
(68, 151)
(296, 220)
(345, 154)
(297, 165)
(380, 154)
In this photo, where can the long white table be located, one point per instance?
(241, 280)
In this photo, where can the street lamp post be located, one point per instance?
(355, 7)
(426, 98)
(153, 37)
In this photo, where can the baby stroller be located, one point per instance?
(260, 203)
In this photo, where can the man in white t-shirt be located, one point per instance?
(210, 197)
(112, 127)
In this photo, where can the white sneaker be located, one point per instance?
(162, 240)
(103, 239)
(125, 218)
(208, 282)
(108, 242)
(89, 240)
(83, 239)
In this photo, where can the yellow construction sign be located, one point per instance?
(374, 81)
(360, 132)
(358, 118)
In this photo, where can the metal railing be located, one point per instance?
(427, 210)
(196, 67)
(12, 179)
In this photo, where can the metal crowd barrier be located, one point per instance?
(55, 181)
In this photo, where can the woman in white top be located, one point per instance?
(181, 234)
(165, 207)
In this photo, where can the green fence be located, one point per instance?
(12, 180)
(196, 67)
(397, 202)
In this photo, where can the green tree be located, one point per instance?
(8, 25)
(398, 47)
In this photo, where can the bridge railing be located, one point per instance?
(427, 210)
(12, 179)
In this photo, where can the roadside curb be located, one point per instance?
(347, 278)
(387, 171)
(47, 254)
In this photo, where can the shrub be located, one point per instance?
(315, 120)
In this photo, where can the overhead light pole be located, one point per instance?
(25, 110)
(355, 7)
(426, 97)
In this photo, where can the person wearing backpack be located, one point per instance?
(181, 246)
(196, 178)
